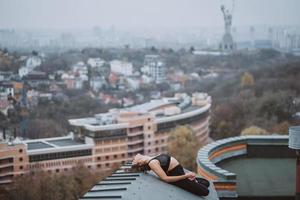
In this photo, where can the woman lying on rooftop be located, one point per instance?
(170, 171)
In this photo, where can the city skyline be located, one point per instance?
(136, 14)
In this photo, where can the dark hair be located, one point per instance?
(140, 168)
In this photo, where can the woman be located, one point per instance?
(170, 171)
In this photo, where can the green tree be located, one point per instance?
(184, 146)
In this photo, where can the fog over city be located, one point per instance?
(202, 94)
(154, 14)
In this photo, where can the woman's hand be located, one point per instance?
(191, 175)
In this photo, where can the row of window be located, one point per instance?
(133, 138)
(6, 161)
(6, 169)
(106, 165)
(136, 129)
(115, 141)
(108, 133)
(6, 178)
(59, 163)
(169, 125)
(60, 155)
(157, 149)
(99, 158)
(157, 142)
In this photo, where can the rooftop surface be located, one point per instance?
(146, 107)
(53, 144)
(131, 186)
(37, 145)
(179, 107)
(263, 176)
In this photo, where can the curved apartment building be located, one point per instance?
(108, 139)
(145, 128)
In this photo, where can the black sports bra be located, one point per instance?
(164, 161)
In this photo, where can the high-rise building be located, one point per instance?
(155, 68)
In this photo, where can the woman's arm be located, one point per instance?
(155, 166)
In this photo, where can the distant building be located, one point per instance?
(31, 63)
(80, 70)
(286, 39)
(95, 62)
(121, 67)
(155, 68)
(6, 76)
(6, 88)
(10, 91)
(36, 78)
(73, 81)
(96, 83)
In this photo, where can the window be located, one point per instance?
(21, 159)
(65, 169)
(53, 156)
(20, 150)
(156, 149)
(99, 165)
(107, 164)
(162, 140)
(123, 155)
(98, 158)
(115, 156)
(149, 143)
(149, 136)
(149, 151)
(57, 170)
(21, 167)
(156, 141)
(149, 127)
(107, 157)
(149, 119)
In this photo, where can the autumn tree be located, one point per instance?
(254, 130)
(184, 146)
(70, 185)
(247, 80)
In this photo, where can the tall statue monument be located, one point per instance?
(227, 43)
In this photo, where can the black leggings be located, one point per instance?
(198, 188)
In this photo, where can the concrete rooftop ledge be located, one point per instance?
(248, 147)
(207, 160)
(130, 186)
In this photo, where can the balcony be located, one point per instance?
(134, 150)
(135, 142)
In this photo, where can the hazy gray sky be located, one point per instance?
(143, 13)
